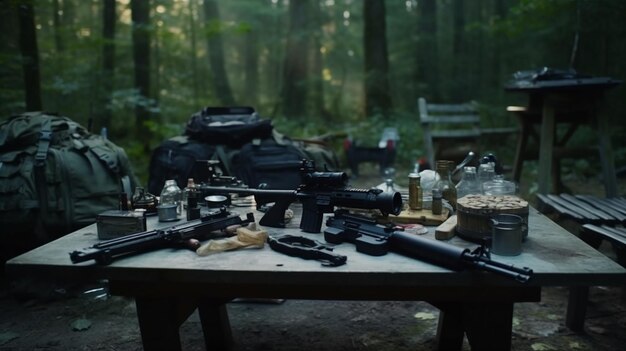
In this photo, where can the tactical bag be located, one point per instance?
(55, 176)
(247, 147)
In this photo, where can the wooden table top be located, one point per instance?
(595, 83)
(557, 257)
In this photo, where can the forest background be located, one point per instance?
(140, 68)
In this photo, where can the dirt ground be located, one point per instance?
(36, 315)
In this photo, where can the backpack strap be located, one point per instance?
(43, 144)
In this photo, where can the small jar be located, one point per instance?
(172, 195)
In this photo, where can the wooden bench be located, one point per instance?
(446, 126)
(600, 219)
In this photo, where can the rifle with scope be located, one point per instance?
(319, 193)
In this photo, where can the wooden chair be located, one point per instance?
(450, 131)
(597, 219)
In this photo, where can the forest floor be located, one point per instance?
(36, 315)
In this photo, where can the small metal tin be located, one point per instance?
(216, 201)
(167, 213)
(115, 223)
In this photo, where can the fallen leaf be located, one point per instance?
(425, 316)
(541, 347)
(8, 336)
(81, 324)
(575, 345)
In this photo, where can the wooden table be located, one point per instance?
(567, 101)
(168, 285)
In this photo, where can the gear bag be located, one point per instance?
(55, 176)
(247, 147)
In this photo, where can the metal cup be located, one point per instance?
(506, 235)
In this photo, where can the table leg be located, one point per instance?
(159, 322)
(520, 153)
(488, 326)
(546, 147)
(577, 308)
(450, 327)
(606, 156)
(215, 325)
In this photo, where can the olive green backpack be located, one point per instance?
(55, 176)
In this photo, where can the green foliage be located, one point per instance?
(469, 56)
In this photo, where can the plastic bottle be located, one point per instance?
(444, 182)
(171, 194)
(468, 185)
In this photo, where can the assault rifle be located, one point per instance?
(376, 240)
(319, 193)
(106, 251)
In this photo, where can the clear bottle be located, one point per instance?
(468, 185)
(415, 192)
(486, 172)
(190, 192)
(172, 195)
(444, 182)
(499, 186)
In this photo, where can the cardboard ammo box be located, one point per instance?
(115, 223)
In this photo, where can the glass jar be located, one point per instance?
(171, 194)
(444, 182)
(499, 186)
(468, 185)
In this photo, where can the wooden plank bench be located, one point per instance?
(600, 219)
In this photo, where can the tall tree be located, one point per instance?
(317, 88)
(251, 67)
(427, 61)
(294, 89)
(216, 53)
(140, 15)
(109, 18)
(194, 55)
(377, 96)
(56, 20)
(30, 55)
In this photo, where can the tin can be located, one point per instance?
(415, 192)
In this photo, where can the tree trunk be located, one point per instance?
(427, 71)
(251, 68)
(108, 60)
(460, 52)
(140, 14)
(317, 64)
(56, 20)
(294, 90)
(193, 55)
(216, 54)
(30, 55)
(377, 97)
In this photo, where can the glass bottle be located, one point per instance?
(468, 185)
(486, 172)
(499, 186)
(437, 206)
(172, 195)
(444, 182)
(190, 192)
(415, 192)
